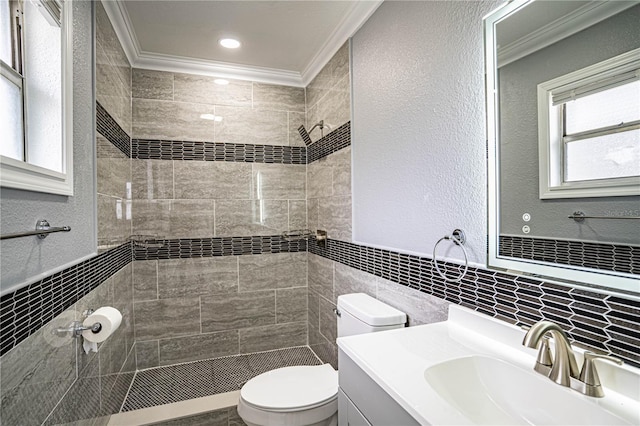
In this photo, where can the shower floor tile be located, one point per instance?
(174, 383)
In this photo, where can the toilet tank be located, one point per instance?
(359, 313)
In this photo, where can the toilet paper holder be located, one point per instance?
(76, 327)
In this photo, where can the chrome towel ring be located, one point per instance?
(458, 238)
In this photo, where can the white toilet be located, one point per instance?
(308, 395)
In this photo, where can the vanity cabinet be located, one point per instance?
(362, 402)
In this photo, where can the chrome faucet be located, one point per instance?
(563, 368)
(564, 365)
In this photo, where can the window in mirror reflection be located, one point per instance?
(590, 130)
(602, 134)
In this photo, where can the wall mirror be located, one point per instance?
(563, 127)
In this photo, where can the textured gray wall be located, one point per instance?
(519, 138)
(419, 127)
(28, 259)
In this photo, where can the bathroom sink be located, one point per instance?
(487, 390)
(472, 370)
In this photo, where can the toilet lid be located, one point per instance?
(292, 387)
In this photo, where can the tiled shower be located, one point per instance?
(196, 182)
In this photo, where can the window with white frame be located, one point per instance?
(589, 131)
(35, 94)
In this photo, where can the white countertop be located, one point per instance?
(396, 361)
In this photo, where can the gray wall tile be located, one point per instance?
(153, 119)
(298, 214)
(349, 280)
(313, 307)
(202, 89)
(339, 64)
(321, 276)
(280, 98)
(239, 310)
(112, 93)
(167, 318)
(148, 84)
(173, 219)
(279, 181)
(421, 308)
(272, 271)
(113, 226)
(313, 207)
(334, 216)
(37, 370)
(334, 108)
(197, 276)
(251, 217)
(318, 87)
(320, 179)
(145, 280)
(147, 354)
(245, 125)
(296, 119)
(202, 346)
(212, 180)
(328, 321)
(341, 172)
(152, 179)
(291, 305)
(269, 337)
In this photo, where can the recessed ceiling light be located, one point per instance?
(229, 43)
(221, 81)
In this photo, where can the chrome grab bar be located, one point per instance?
(42, 230)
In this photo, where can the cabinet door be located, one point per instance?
(348, 413)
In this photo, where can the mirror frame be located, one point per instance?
(605, 281)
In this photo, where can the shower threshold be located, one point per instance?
(194, 388)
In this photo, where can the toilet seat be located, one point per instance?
(291, 389)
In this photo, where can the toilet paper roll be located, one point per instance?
(108, 317)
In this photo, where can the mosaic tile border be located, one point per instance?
(29, 308)
(335, 141)
(153, 149)
(217, 246)
(198, 379)
(611, 257)
(603, 322)
(111, 130)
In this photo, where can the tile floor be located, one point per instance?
(174, 383)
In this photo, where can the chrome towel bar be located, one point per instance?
(579, 216)
(42, 230)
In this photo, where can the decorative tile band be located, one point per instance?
(29, 308)
(154, 149)
(107, 127)
(612, 257)
(217, 246)
(334, 141)
(603, 322)
(150, 149)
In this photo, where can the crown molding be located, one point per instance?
(351, 22)
(578, 20)
(359, 13)
(123, 28)
(172, 63)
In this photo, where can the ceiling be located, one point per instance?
(283, 42)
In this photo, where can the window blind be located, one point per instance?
(608, 82)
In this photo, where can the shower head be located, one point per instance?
(304, 135)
